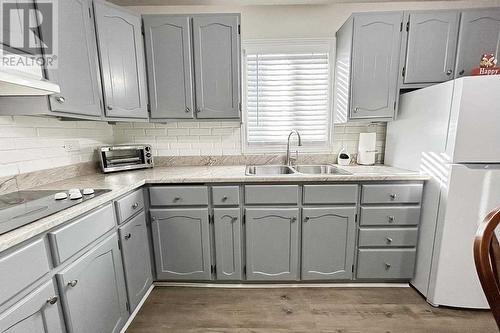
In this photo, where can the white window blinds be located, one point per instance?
(287, 91)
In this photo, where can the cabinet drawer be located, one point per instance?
(22, 267)
(388, 215)
(391, 193)
(388, 237)
(386, 263)
(178, 196)
(271, 194)
(226, 195)
(330, 194)
(129, 205)
(70, 239)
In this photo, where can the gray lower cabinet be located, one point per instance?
(77, 71)
(136, 258)
(228, 243)
(479, 34)
(170, 69)
(431, 46)
(39, 312)
(328, 239)
(217, 65)
(272, 244)
(122, 61)
(181, 241)
(93, 290)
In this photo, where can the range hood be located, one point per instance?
(21, 84)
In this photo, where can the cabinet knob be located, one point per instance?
(198, 109)
(188, 110)
(127, 236)
(293, 219)
(449, 71)
(110, 107)
(135, 205)
(224, 198)
(154, 218)
(60, 99)
(306, 219)
(177, 198)
(391, 219)
(387, 266)
(52, 300)
(356, 109)
(234, 219)
(389, 239)
(73, 283)
(462, 72)
(393, 196)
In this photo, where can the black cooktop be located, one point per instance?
(23, 207)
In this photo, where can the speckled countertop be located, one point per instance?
(123, 182)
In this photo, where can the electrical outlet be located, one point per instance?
(71, 145)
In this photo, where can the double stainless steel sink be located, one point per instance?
(276, 170)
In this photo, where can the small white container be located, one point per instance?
(344, 158)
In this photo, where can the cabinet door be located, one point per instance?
(93, 290)
(122, 61)
(479, 34)
(227, 224)
(39, 312)
(136, 259)
(376, 48)
(181, 243)
(432, 41)
(169, 62)
(77, 69)
(272, 238)
(327, 243)
(216, 60)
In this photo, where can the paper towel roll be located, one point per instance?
(366, 148)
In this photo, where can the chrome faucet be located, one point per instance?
(289, 160)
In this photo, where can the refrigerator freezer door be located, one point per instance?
(470, 193)
(474, 135)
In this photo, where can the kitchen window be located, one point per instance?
(287, 86)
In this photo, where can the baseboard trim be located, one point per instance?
(139, 306)
(282, 285)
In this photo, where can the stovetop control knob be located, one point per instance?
(88, 191)
(60, 196)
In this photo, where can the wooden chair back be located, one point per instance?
(487, 259)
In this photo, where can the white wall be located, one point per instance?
(34, 143)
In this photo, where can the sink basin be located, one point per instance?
(320, 170)
(268, 170)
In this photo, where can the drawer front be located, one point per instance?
(272, 194)
(178, 196)
(226, 195)
(386, 263)
(73, 237)
(392, 193)
(330, 194)
(22, 267)
(390, 237)
(388, 215)
(127, 206)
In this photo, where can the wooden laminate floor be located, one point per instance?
(317, 310)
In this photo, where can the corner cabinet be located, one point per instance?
(123, 69)
(368, 47)
(193, 66)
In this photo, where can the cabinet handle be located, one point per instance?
(356, 109)
(391, 219)
(389, 240)
(135, 205)
(392, 196)
(448, 72)
(387, 265)
(293, 219)
(177, 198)
(198, 109)
(127, 236)
(306, 219)
(110, 107)
(224, 198)
(60, 99)
(73, 283)
(461, 72)
(234, 219)
(188, 110)
(52, 300)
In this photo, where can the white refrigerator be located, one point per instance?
(451, 131)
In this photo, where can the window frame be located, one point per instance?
(289, 45)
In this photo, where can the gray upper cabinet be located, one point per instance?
(272, 238)
(479, 34)
(431, 46)
(93, 290)
(170, 69)
(328, 236)
(136, 258)
(123, 69)
(216, 58)
(227, 228)
(77, 71)
(40, 312)
(375, 61)
(181, 243)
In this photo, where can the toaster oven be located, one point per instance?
(125, 157)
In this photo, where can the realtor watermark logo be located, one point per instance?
(28, 33)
